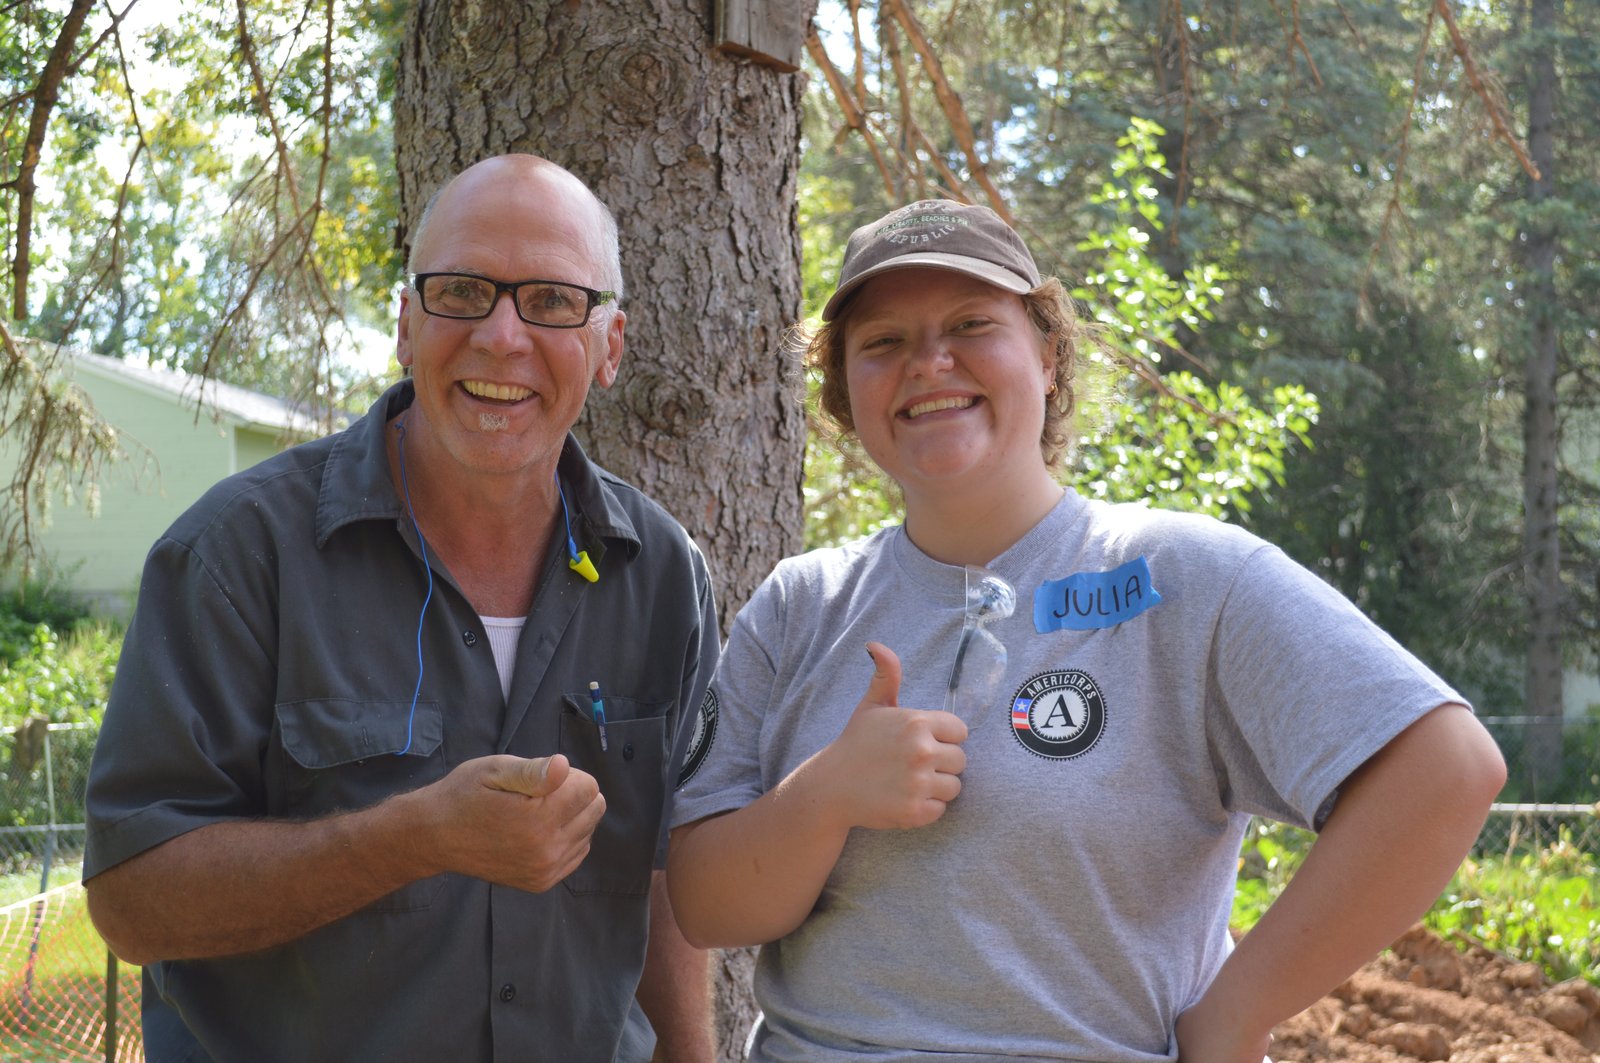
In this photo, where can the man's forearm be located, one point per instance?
(675, 990)
(243, 886)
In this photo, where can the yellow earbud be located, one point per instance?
(584, 567)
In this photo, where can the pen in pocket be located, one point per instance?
(599, 708)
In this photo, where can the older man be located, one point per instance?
(386, 763)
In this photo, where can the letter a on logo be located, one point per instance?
(1060, 709)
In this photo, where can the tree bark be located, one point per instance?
(1541, 434)
(697, 153)
(1171, 64)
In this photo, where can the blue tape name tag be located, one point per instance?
(1089, 600)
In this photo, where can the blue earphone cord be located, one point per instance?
(572, 545)
(422, 544)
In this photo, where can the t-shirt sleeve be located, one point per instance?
(183, 738)
(728, 775)
(1304, 690)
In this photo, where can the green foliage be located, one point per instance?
(1541, 906)
(1195, 448)
(179, 224)
(63, 679)
(28, 605)
(1172, 441)
(56, 660)
(846, 497)
(1136, 301)
(1268, 859)
(56, 666)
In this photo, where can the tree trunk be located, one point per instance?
(1541, 438)
(697, 153)
(1171, 105)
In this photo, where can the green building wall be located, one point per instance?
(174, 453)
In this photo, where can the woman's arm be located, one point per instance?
(1403, 822)
(752, 875)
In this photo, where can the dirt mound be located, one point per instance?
(1427, 1000)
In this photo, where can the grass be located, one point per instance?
(20, 885)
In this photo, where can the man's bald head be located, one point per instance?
(491, 177)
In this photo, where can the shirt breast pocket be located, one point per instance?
(344, 754)
(630, 764)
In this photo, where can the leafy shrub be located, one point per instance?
(1540, 906)
(64, 679)
(54, 678)
(27, 605)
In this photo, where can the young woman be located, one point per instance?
(1044, 872)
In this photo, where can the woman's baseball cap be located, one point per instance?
(936, 234)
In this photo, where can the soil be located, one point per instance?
(1425, 999)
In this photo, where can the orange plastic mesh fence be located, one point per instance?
(53, 985)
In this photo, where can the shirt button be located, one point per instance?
(508, 992)
(470, 638)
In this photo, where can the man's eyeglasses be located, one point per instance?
(468, 297)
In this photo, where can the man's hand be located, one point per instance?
(513, 821)
(894, 767)
(244, 885)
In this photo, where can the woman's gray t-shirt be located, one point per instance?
(1168, 677)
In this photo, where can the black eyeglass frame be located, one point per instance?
(592, 297)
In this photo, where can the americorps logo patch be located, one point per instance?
(705, 729)
(1059, 715)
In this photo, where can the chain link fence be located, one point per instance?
(1549, 760)
(1552, 793)
(64, 997)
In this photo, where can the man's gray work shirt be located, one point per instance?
(269, 672)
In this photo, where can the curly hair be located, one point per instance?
(1052, 312)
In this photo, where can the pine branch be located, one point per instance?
(908, 125)
(1491, 103)
(952, 182)
(110, 30)
(56, 429)
(954, 112)
(302, 223)
(853, 117)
